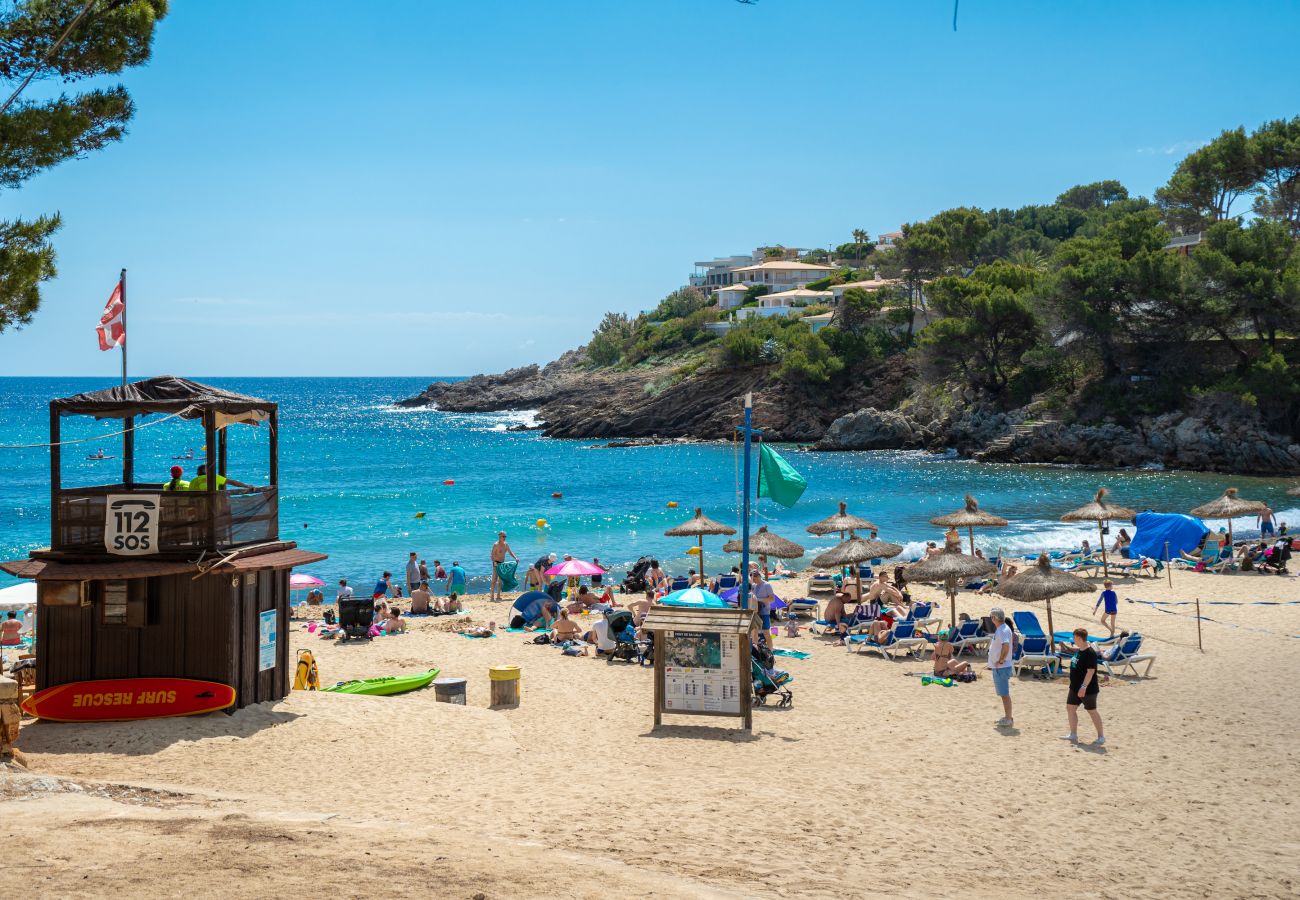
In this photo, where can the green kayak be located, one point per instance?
(383, 687)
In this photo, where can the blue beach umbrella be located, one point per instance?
(694, 597)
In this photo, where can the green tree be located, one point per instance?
(1248, 278)
(38, 134)
(610, 340)
(1092, 196)
(1276, 148)
(808, 358)
(1209, 181)
(679, 304)
(921, 254)
(989, 324)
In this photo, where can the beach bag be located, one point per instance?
(307, 678)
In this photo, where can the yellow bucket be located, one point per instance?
(504, 673)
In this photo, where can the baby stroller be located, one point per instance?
(622, 632)
(635, 582)
(355, 618)
(767, 679)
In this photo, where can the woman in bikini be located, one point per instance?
(945, 665)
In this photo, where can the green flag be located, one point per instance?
(777, 478)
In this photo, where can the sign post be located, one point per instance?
(702, 662)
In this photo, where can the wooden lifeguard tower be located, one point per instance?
(140, 582)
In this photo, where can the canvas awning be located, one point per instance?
(166, 394)
(57, 570)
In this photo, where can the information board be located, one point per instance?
(131, 524)
(701, 672)
(266, 641)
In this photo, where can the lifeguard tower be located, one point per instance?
(141, 582)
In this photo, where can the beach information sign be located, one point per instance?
(131, 524)
(266, 641)
(701, 672)
(701, 662)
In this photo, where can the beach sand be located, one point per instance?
(871, 785)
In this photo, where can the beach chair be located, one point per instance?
(970, 636)
(922, 614)
(727, 582)
(680, 583)
(1027, 624)
(821, 584)
(1036, 652)
(1127, 655)
(804, 606)
(902, 638)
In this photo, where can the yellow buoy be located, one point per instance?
(672, 504)
(541, 523)
(419, 515)
(692, 551)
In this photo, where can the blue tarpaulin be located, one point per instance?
(529, 605)
(1184, 533)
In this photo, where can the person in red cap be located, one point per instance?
(177, 483)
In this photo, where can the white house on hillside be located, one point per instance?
(731, 296)
(782, 274)
(874, 284)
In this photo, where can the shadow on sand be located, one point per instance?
(148, 736)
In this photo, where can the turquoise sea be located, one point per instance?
(356, 471)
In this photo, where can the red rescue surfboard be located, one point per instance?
(128, 699)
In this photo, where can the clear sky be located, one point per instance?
(436, 188)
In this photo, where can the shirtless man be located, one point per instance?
(883, 590)
(499, 551)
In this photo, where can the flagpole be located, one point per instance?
(744, 518)
(128, 432)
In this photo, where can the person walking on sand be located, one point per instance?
(1266, 528)
(499, 551)
(1000, 664)
(412, 573)
(1083, 687)
(1111, 599)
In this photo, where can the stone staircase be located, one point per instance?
(1036, 421)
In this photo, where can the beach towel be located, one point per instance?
(518, 630)
(473, 636)
(793, 654)
(506, 575)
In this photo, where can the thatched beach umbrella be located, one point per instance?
(1100, 511)
(947, 567)
(764, 543)
(840, 522)
(854, 551)
(1042, 582)
(1229, 506)
(970, 517)
(697, 526)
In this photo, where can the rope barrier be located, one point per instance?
(1156, 605)
(89, 439)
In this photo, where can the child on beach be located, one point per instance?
(1109, 597)
(479, 630)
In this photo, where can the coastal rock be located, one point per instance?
(871, 429)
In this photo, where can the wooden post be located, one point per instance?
(210, 441)
(951, 584)
(1199, 646)
(970, 529)
(274, 423)
(1169, 566)
(659, 678)
(1101, 536)
(746, 689)
(222, 443)
(1051, 626)
(55, 478)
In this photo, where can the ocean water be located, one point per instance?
(355, 472)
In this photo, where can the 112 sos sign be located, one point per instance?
(131, 524)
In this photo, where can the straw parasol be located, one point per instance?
(840, 522)
(947, 567)
(697, 526)
(853, 551)
(1042, 582)
(1099, 511)
(1229, 506)
(764, 543)
(970, 517)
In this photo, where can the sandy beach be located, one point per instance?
(871, 785)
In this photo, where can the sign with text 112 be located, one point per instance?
(131, 524)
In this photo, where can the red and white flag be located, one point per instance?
(112, 324)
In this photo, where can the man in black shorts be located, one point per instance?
(1083, 687)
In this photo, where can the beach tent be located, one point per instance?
(529, 605)
(1184, 533)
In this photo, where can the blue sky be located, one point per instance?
(416, 188)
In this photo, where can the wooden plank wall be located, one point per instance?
(206, 628)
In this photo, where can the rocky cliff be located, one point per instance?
(883, 409)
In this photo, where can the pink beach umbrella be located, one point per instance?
(575, 568)
(300, 581)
